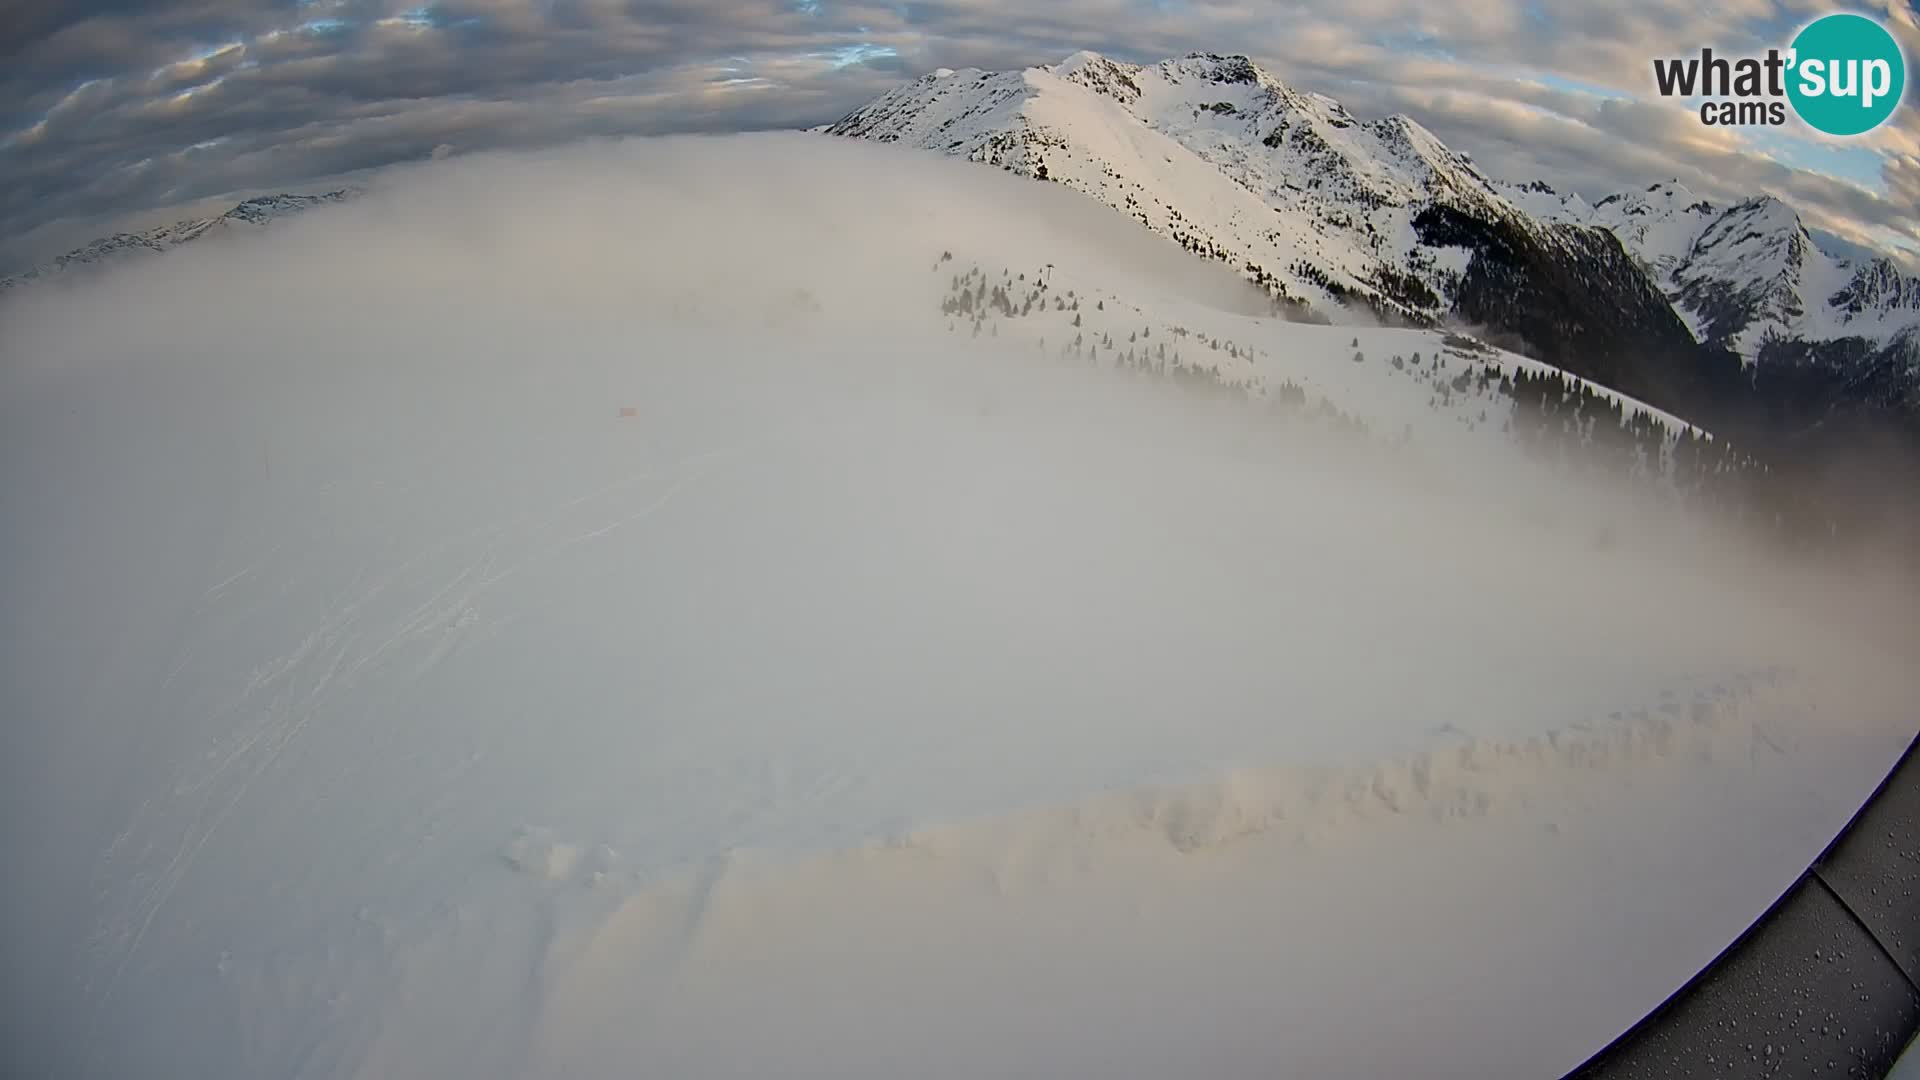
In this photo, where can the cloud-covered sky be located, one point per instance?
(112, 107)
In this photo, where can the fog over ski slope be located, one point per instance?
(593, 614)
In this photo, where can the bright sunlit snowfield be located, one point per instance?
(596, 615)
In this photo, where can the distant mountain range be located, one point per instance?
(248, 214)
(1718, 312)
(1747, 273)
(1659, 293)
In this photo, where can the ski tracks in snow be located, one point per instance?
(350, 645)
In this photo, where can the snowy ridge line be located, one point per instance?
(652, 939)
(1469, 780)
(1731, 721)
(108, 250)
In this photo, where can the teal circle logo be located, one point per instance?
(1847, 74)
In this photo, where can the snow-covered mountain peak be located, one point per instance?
(1544, 202)
(1351, 219)
(1664, 199)
(1081, 59)
(1447, 172)
(1101, 75)
(1214, 152)
(1760, 228)
(1745, 273)
(1877, 285)
(1222, 107)
(263, 208)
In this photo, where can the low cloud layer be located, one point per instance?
(404, 603)
(112, 107)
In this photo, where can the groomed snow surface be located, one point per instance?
(587, 616)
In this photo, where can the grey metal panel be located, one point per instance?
(1809, 994)
(1823, 985)
(1874, 868)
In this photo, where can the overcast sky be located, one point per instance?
(111, 107)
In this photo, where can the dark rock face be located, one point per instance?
(1877, 285)
(1573, 296)
(1809, 383)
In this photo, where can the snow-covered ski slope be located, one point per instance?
(637, 630)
